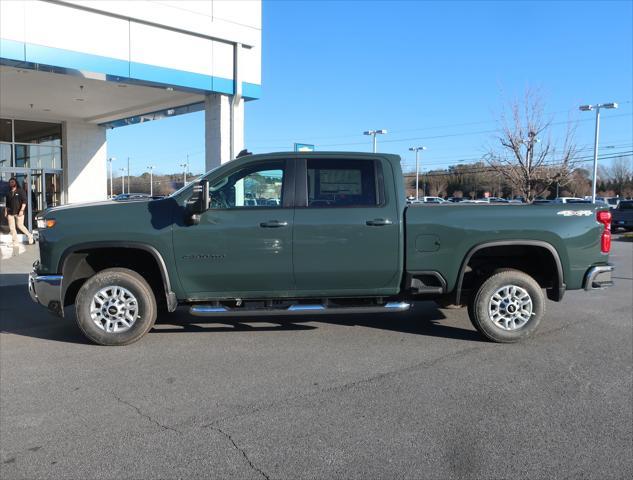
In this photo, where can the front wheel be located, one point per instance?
(115, 307)
(507, 307)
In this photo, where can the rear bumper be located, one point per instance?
(47, 291)
(598, 277)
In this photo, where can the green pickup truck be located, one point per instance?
(309, 234)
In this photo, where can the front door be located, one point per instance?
(242, 247)
(347, 234)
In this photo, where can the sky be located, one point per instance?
(434, 74)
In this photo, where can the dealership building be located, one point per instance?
(71, 69)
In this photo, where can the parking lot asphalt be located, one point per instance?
(413, 395)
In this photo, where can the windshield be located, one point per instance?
(197, 179)
(185, 186)
(626, 206)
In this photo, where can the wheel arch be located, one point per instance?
(558, 289)
(73, 265)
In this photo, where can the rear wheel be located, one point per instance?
(507, 307)
(115, 307)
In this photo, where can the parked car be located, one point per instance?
(455, 199)
(623, 215)
(433, 200)
(121, 197)
(540, 201)
(613, 202)
(566, 199)
(202, 247)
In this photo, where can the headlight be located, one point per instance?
(45, 223)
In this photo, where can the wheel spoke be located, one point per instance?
(114, 309)
(510, 307)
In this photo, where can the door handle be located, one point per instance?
(273, 224)
(379, 222)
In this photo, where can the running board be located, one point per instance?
(220, 311)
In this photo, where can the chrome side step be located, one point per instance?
(299, 309)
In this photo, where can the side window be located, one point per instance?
(254, 186)
(342, 183)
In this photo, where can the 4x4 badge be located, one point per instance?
(575, 213)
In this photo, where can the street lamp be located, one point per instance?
(122, 170)
(588, 108)
(151, 180)
(110, 160)
(373, 133)
(417, 170)
(184, 166)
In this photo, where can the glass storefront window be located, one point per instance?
(37, 156)
(6, 154)
(42, 133)
(32, 152)
(6, 133)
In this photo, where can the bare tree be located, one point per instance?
(620, 172)
(525, 155)
(437, 184)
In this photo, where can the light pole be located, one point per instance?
(185, 166)
(588, 108)
(110, 160)
(373, 133)
(128, 174)
(529, 156)
(122, 170)
(417, 170)
(151, 180)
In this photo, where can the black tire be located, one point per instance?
(478, 308)
(133, 283)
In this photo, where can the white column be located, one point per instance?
(217, 129)
(84, 161)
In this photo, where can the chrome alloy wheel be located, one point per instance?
(510, 307)
(114, 309)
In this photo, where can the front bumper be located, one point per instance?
(47, 291)
(598, 277)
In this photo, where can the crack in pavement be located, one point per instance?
(251, 409)
(236, 447)
(144, 415)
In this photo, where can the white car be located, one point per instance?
(566, 199)
(433, 200)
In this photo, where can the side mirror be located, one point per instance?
(198, 203)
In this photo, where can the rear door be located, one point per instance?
(346, 228)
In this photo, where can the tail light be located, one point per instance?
(604, 217)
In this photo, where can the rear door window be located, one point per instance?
(342, 183)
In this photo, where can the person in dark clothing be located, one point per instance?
(14, 211)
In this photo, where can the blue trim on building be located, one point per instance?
(66, 61)
(12, 50)
(76, 60)
(251, 90)
(223, 85)
(170, 76)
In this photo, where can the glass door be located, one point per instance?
(53, 189)
(36, 195)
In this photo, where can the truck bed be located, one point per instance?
(439, 237)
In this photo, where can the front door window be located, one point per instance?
(255, 186)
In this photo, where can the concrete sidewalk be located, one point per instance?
(16, 262)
